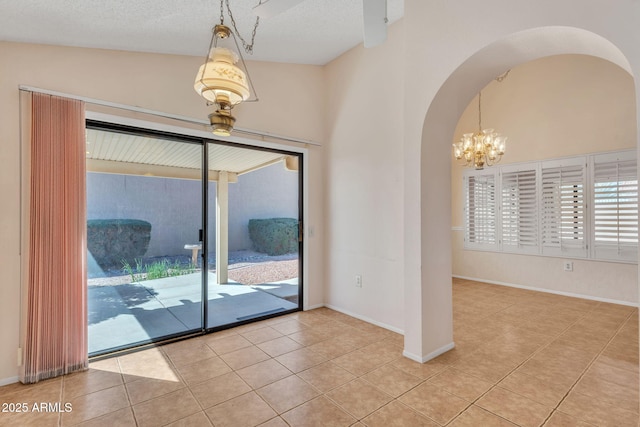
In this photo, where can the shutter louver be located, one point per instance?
(615, 208)
(519, 211)
(563, 210)
(480, 212)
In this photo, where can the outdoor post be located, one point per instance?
(222, 227)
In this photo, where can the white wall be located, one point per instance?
(397, 127)
(364, 181)
(288, 106)
(552, 107)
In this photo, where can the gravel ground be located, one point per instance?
(247, 267)
(265, 272)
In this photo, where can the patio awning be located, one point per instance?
(121, 153)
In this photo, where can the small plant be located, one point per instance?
(156, 270)
(137, 273)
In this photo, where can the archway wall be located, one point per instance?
(556, 106)
(453, 49)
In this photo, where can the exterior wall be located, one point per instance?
(551, 107)
(271, 192)
(156, 82)
(173, 206)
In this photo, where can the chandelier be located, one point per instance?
(223, 79)
(485, 147)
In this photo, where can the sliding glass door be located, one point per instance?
(163, 236)
(144, 210)
(253, 240)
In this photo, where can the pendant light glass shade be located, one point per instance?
(223, 79)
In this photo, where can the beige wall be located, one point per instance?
(288, 105)
(551, 107)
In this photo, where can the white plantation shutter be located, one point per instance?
(615, 206)
(519, 204)
(579, 207)
(480, 210)
(564, 208)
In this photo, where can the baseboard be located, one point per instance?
(549, 291)
(366, 319)
(7, 381)
(313, 307)
(429, 356)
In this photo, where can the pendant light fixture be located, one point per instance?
(223, 79)
(485, 147)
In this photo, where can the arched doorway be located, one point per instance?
(428, 307)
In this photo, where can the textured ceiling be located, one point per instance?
(312, 32)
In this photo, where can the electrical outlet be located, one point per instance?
(568, 266)
(358, 281)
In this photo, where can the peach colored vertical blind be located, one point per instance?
(56, 329)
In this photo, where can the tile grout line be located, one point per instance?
(589, 366)
(446, 367)
(497, 383)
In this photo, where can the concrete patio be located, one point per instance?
(121, 315)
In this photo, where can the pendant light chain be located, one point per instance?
(248, 47)
(480, 111)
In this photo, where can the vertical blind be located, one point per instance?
(56, 312)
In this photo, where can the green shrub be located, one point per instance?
(274, 236)
(114, 241)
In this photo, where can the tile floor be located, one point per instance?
(521, 358)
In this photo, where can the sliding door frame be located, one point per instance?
(121, 124)
(301, 240)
